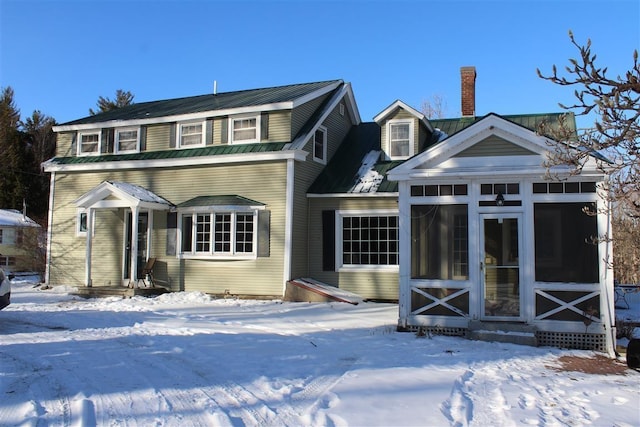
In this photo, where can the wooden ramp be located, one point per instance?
(310, 290)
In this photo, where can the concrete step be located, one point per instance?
(508, 332)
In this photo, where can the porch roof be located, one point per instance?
(109, 194)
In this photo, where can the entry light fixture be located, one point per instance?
(500, 199)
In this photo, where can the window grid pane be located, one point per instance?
(89, 143)
(244, 129)
(127, 140)
(370, 240)
(203, 233)
(191, 135)
(222, 238)
(399, 139)
(244, 233)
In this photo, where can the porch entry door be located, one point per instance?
(500, 266)
(143, 221)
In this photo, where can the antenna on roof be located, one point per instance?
(215, 87)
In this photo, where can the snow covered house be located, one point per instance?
(13, 255)
(241, 192)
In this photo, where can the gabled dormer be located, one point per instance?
(404, 131)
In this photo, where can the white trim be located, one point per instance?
(339, 217)
(202, 115)
(212, 254)
(98, 151)
(288, 222)
(232, 120)
(116, 139)
(379, 118)
(325, 143)
(52, 190)
(298, 155)
(179, 135)
(396, 122)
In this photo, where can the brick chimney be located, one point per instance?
(468, 81)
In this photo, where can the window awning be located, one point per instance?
(232, 202)
(116, 194)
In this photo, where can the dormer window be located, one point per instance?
(320, 145)
(245, 129)
(89, 143)
(191, 134)
(400, 139)
(127, 140)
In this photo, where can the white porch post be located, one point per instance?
(87, 269)
(135, 212)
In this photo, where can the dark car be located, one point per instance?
(5, 290)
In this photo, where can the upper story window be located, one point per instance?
(400, 139)
(191, 134)
(245, 129)
(127, 140)
(320, 145)
(89, 143)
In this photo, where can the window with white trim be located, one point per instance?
(368, 240)
(245, 129)
(191, 134)
(81, 222)
(89, 143)
(224, 234)
(127, 140)
(400, 139)
(320, 145)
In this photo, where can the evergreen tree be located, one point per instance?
(12, 153)
(123, 98)
(41, 144)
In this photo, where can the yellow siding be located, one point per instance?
(305, 174)
(158, 137)
(262, 276)
(368, 284)
(279, 126)
(64, 142)
(495, 146)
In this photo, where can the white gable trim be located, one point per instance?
(97, 198)
(301, 140)
(436, 156)
(399, 104)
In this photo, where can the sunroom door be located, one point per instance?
(500, 266)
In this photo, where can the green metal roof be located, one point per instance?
(530, 121)
(341, 173)
(223, 200)
(212, 150)
(209, 102)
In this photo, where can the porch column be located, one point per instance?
(87, 269)
(135, 212)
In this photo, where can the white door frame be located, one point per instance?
(518, 216)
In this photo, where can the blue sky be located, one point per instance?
(60, 56)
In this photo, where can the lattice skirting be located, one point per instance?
(438, 330)
(572, 340)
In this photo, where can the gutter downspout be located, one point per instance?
(47, 267)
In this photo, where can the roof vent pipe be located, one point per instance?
(215, 87)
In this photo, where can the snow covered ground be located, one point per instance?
(185, 359)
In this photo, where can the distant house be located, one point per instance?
(13, 227)
(239, 193)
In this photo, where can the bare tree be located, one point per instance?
(123, 98)
(434, 108)
(616, 132)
